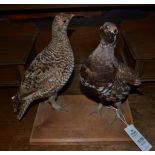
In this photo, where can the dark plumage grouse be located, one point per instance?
(104, 75)
(49, 71)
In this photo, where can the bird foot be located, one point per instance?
(55, 105)
(119, 111)
(59, 107)
(98, 110)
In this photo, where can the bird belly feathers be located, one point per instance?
(112, 91)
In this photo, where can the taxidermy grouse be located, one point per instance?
(49, 71)
(103, 74)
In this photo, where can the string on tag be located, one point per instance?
(121, 116)
(133, 133)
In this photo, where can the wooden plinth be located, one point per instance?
(77, 125)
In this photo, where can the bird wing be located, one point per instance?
(97, 75)
(41, 73)
(128, 75)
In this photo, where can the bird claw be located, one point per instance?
(98, 110)
(59, 107)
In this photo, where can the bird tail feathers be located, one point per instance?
(22, 109)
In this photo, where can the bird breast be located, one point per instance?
(64, 66)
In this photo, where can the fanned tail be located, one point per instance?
(128, 74)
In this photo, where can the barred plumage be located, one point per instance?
(50, 70)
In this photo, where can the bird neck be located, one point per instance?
(105, 44)
(59, 35)
(60, 38)
(104, 54)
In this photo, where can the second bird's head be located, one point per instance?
(61, 21)
(109, 32)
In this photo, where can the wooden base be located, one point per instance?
(77, 125)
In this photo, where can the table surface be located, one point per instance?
(66, 127)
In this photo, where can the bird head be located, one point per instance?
(109, 32)
(61, 21)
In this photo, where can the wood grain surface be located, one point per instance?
(78, 125)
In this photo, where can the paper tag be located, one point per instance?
(137, 137)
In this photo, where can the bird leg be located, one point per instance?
(55, 105)
(118, 105)
(119, 108)
(98, 110)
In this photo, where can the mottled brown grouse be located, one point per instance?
(104, 75)
(49, 71)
